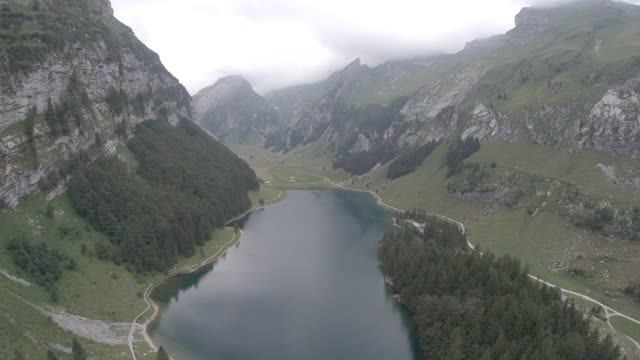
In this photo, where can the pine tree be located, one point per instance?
(455, 346)
(51, 355)
(77, 352)
(162, 354)
(19, 356)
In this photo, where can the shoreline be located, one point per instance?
(177, 272)
(379, 202)
(609, 311)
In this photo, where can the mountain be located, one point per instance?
(530, 138)
(105, 180)
(564, 76)
(72, 75)
(231, 107)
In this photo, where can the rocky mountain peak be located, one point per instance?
(231, 105)
(222, 91)
(532, 22)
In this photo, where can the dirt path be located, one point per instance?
(186, 270)
(609, 312)
(156, 309)
(15, 279)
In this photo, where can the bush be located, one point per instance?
(44, 266)
(633, 290)
(599, 218)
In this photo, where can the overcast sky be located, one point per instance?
(275, 43)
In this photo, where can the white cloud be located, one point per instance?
(275, 43)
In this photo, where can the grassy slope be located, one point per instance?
(542, 241)
(97, 289)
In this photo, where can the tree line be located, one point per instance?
(362, 162)
(465, 305)
(458, 151)
(186, 184)
(409, 160)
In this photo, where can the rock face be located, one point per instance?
(312, 118)
(613, 125)
(547, 81)
(433, 110)
(232, 104)
(84, 92)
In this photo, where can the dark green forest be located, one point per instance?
(410, 159)
(458, 151)
(360, 163)
(465, 305)
(186, 184)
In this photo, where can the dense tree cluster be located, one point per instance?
(43, 265)
(458, 151)
(409, 160)
(465, 305)
(359, 163)
(186, 185)
(597, 218)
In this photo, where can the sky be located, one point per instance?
(277, 43)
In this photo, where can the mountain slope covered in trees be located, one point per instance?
(185, 186)
(105, 180)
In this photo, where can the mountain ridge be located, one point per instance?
(231, 105)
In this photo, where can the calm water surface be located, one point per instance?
(303, 283)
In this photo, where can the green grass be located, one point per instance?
(267, 193)
(99, 290)
(288, 176)
(629, 328)
(96, 289)
(579, 169)
(218, 240)
(540, 241)
(126, 156)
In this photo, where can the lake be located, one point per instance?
(302, 283)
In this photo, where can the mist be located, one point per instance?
(278, 43)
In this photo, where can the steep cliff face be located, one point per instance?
(613, 125)
(311, 117)
(231, 105)
(73, 78)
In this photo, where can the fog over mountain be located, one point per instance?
(276, 43)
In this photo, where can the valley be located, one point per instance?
(129, 208)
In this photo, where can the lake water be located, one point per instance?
(302, 283)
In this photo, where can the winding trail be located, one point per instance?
(609, 311)
(185, 270)
(156, 309)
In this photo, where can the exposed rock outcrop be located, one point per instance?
(613, 125)
(91, 89)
